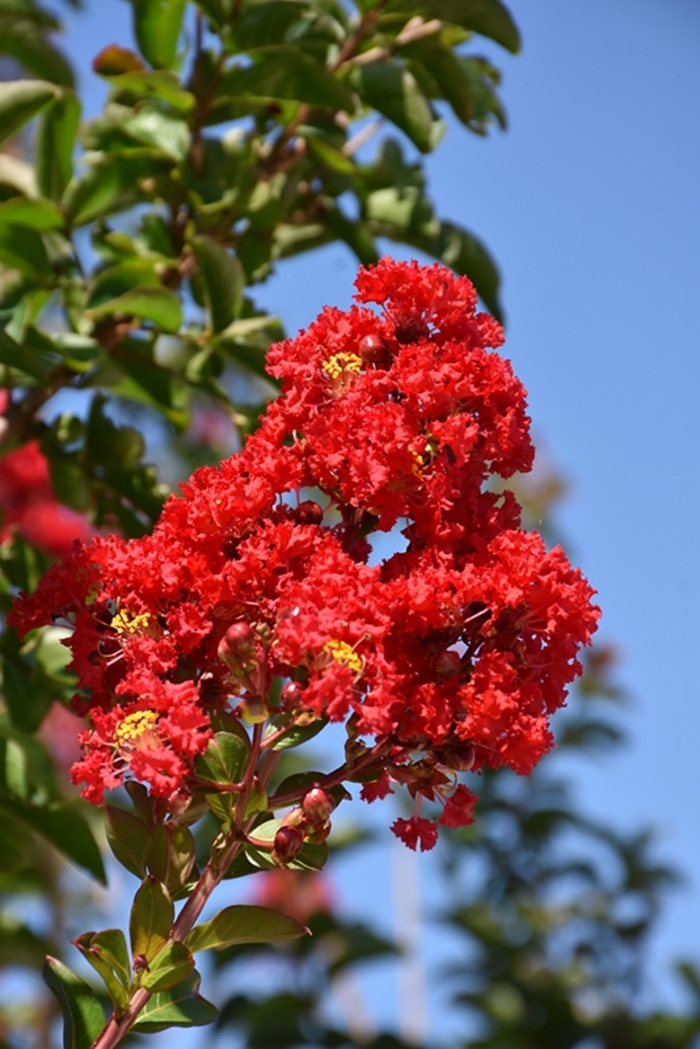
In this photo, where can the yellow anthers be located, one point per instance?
(134, 726)
(125, 623)
(342, 365)
(344, 654)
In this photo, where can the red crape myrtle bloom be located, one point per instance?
(451, 654)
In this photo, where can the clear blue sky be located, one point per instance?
(591, 204)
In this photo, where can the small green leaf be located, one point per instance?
(245, 924)
(171, 855)
(224, 759)
(83, 1016)
(15, 356)
(107, 953)
(66, 830)
(20, 100)
(151, 919)
(53, 155)
(286, 72)
(171, 966)
(181, 1006)
(155, 83)
(23, 249)
(298, 734)
(157, 25)
(158, 305)
(129, 839)
(389, 88)
(223, 280)
(151, 126)
(112, 184)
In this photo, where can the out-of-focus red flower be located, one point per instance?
(300, 894)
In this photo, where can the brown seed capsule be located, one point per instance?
(308, 512)
(288, 843)
(374, 349)
(318, 805)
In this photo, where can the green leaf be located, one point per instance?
(223, 280)
(158, 305)
(171, 855)
(112, 184)
(245, 924)
(152, 126)
(286, 72)
(181, 1006)
(129, 839)
(389, 88)
(82, 1011)
(224, 760)
(20, 100)
(23, 249)
(266, 23)
(298, 734)
(53, 155)
(108, 955)
(25, 40)
(15, 356)
(171, 966)
(311, 857)
(157, 25)
(65, 829)
(151, 918)
(490, 18)
(155, 83)
(36, 214)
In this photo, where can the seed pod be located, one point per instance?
(318, 805)
(288, 843)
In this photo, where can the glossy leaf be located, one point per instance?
(172, 965)
(224, 760)
(157, 26)
(160, 306)
(171, 854)
(223, 281)
(155, 83)
(34, 214)
(65, 829)
(286, 72)
(82, 1011)
(393, 91)
(108, 955)
(151, 918)
(245, 924)
(181, 1006)
(20, 100)
(129, 839)
(490, 18)
(53, 155)
(265, 24)
(152, 126)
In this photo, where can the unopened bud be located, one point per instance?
(294, 818)
(288, 843)
(373, 349)
(290, 696)
(459, 758)
(236, 646)
(318, 805)
(308, 512)
(318, 834)
(448, 663)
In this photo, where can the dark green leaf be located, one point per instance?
(490, 18)
(158, 305)
(181, 1006)
(389, 88)
(298, 734)
(66, 830)
(224, 759)
(25, 40)
(286, 72)
(245, 924)
(171, 966)
(153, 127)
(23, 249)
(129, 839)
(82, 1011)
(155, 83)
(157, 25)
(151, 918)
(171, 855)
(108, 955)
(35, 214)
(20, 100)
(266, 24)
(112, 184)
(223, 281)
(16, 356)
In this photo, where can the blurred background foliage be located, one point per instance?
(237, 133)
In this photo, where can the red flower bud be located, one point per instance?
(318, 804)
(237, 645)
(288, 843)
(373, 349)
(308, 512)
(318, 834)
(290, 696)
(448, 663)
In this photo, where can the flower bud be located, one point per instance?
(318, 805)
(318, 834)
(373, 349)
(288, 843)
(308, 512)
(459, 758)
(448, 663)
(290, 696)
(236, 646)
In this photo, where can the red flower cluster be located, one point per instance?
(452, 653)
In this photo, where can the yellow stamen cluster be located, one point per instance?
(342, 653)
(134, 726)
(341, 365)
(125, 623)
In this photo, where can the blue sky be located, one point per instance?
(591, 204)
